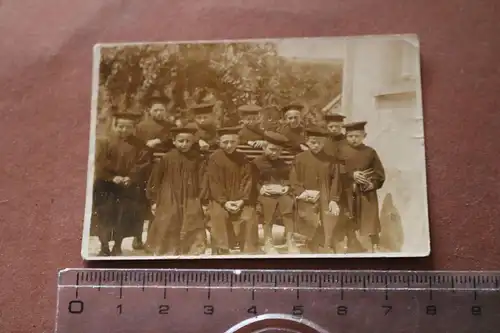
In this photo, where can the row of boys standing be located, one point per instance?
(328, 195)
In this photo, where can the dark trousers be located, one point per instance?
(242, 226)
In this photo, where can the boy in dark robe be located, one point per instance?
(119, 162)
(273, 186)
(344, 233)
(251, 121)
(206, 134)
(231, 190)
(315, 180)
(365, 175)
(334, 125)
(154, 131)
(174, 188)
(292, 128)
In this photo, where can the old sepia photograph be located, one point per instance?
(257, 148)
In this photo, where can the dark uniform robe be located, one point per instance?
(254, 132)
(150, 129)
(274, 172)
(344, 226)
(178, 226)
(362, 203)
(296, 136)
(333, 143)
(209, 135)
(230, 178)
(118, 208)
(317, 172)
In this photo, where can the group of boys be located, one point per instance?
(326, 196)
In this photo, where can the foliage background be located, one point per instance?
(230, 73)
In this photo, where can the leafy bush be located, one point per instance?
(233, 73)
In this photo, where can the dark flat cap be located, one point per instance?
(229, 130)
(355, 126)
(250, 109)
(316, 131)
(276, 138)
(334, 117)
(203, 108)
(185, 129)
(128, 115)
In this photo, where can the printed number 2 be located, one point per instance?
(208, 310)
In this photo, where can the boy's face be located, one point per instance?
(229, 142)
(355, 138)
(184, 141)
(334, 127)
(124, 127)
(158, 111)
(204, 120)
(293, 118)
(272, 151)
(316, 143)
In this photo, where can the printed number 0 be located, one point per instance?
(75, 307)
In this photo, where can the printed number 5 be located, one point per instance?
(298, 310)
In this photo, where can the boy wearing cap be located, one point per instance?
(315, 180)
(334, 125)
(365, 174)
(174, 187)
(154, 130)
(251, 119)
(119, 162)
(204, 118)
(273, 186)
(292, 129)
(344, 231)
(231, 191)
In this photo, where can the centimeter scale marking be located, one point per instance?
(172, 300)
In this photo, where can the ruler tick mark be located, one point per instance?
(474, 286)
(341, 288)
(209, 286)
(121, 286)
(77, 284)
(253, 287)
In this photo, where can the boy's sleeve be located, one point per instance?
(155, 180)
(103, 171)
(247, 185)
(297, 186)
(215, 184)
(378, 176)
(336, 187)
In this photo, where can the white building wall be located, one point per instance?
(381, 85)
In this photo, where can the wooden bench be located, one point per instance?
(251, 153)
